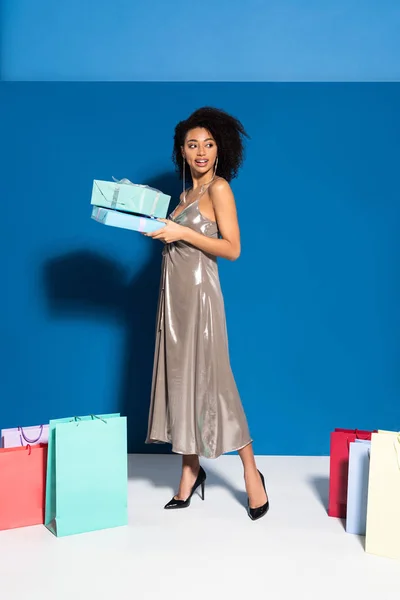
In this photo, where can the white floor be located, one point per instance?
(209, 551)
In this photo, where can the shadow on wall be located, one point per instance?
(86, 282)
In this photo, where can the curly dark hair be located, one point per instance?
(228, 133)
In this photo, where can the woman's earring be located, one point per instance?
(184, 178)
(215, 166)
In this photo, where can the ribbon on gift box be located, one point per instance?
(100, 214)
(142, 224)
(115, 194)
(128, 182)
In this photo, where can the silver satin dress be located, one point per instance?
(195, 404)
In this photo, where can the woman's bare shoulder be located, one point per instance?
(219, 184)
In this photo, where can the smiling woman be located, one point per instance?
(195, 404)
(198, 147)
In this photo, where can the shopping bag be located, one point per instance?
(383, 510)
(22, 486)
(87, 480)
(357, 490)
(22, 436)
(339, 467)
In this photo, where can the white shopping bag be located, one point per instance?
(383, 510)
(22, 436)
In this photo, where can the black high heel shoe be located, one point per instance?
(261, 511)
(200, 481)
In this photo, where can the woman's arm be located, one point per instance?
(225, 213)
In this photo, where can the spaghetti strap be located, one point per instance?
(173, 216)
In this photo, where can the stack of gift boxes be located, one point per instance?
(128, 205)
(364, 487)
(70, 475)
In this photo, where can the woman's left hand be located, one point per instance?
(172, 232)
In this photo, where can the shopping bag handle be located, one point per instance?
(25, 437)
(396, 445)
(358, 437)
(97, 417)
(93, 417)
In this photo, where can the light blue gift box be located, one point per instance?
(87, 474)
(125, 221)
(357, 490)
(130, 197)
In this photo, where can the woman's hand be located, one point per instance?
(172, 232)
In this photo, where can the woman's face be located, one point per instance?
(200, 151)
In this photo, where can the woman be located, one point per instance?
(195, 404)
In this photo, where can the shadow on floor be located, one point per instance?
(361, 539)
(320, 487)
(167, 474)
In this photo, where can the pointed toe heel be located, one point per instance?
(200, 482)
(260, 511)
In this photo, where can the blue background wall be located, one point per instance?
(216, 40)
(312, 304)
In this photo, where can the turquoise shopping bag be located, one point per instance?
(87, 474)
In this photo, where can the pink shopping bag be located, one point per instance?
(22, 486)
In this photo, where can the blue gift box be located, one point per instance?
(130, 197)
(125, 220)
(357, 489)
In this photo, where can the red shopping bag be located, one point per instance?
(339, 468)
(22, 486)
